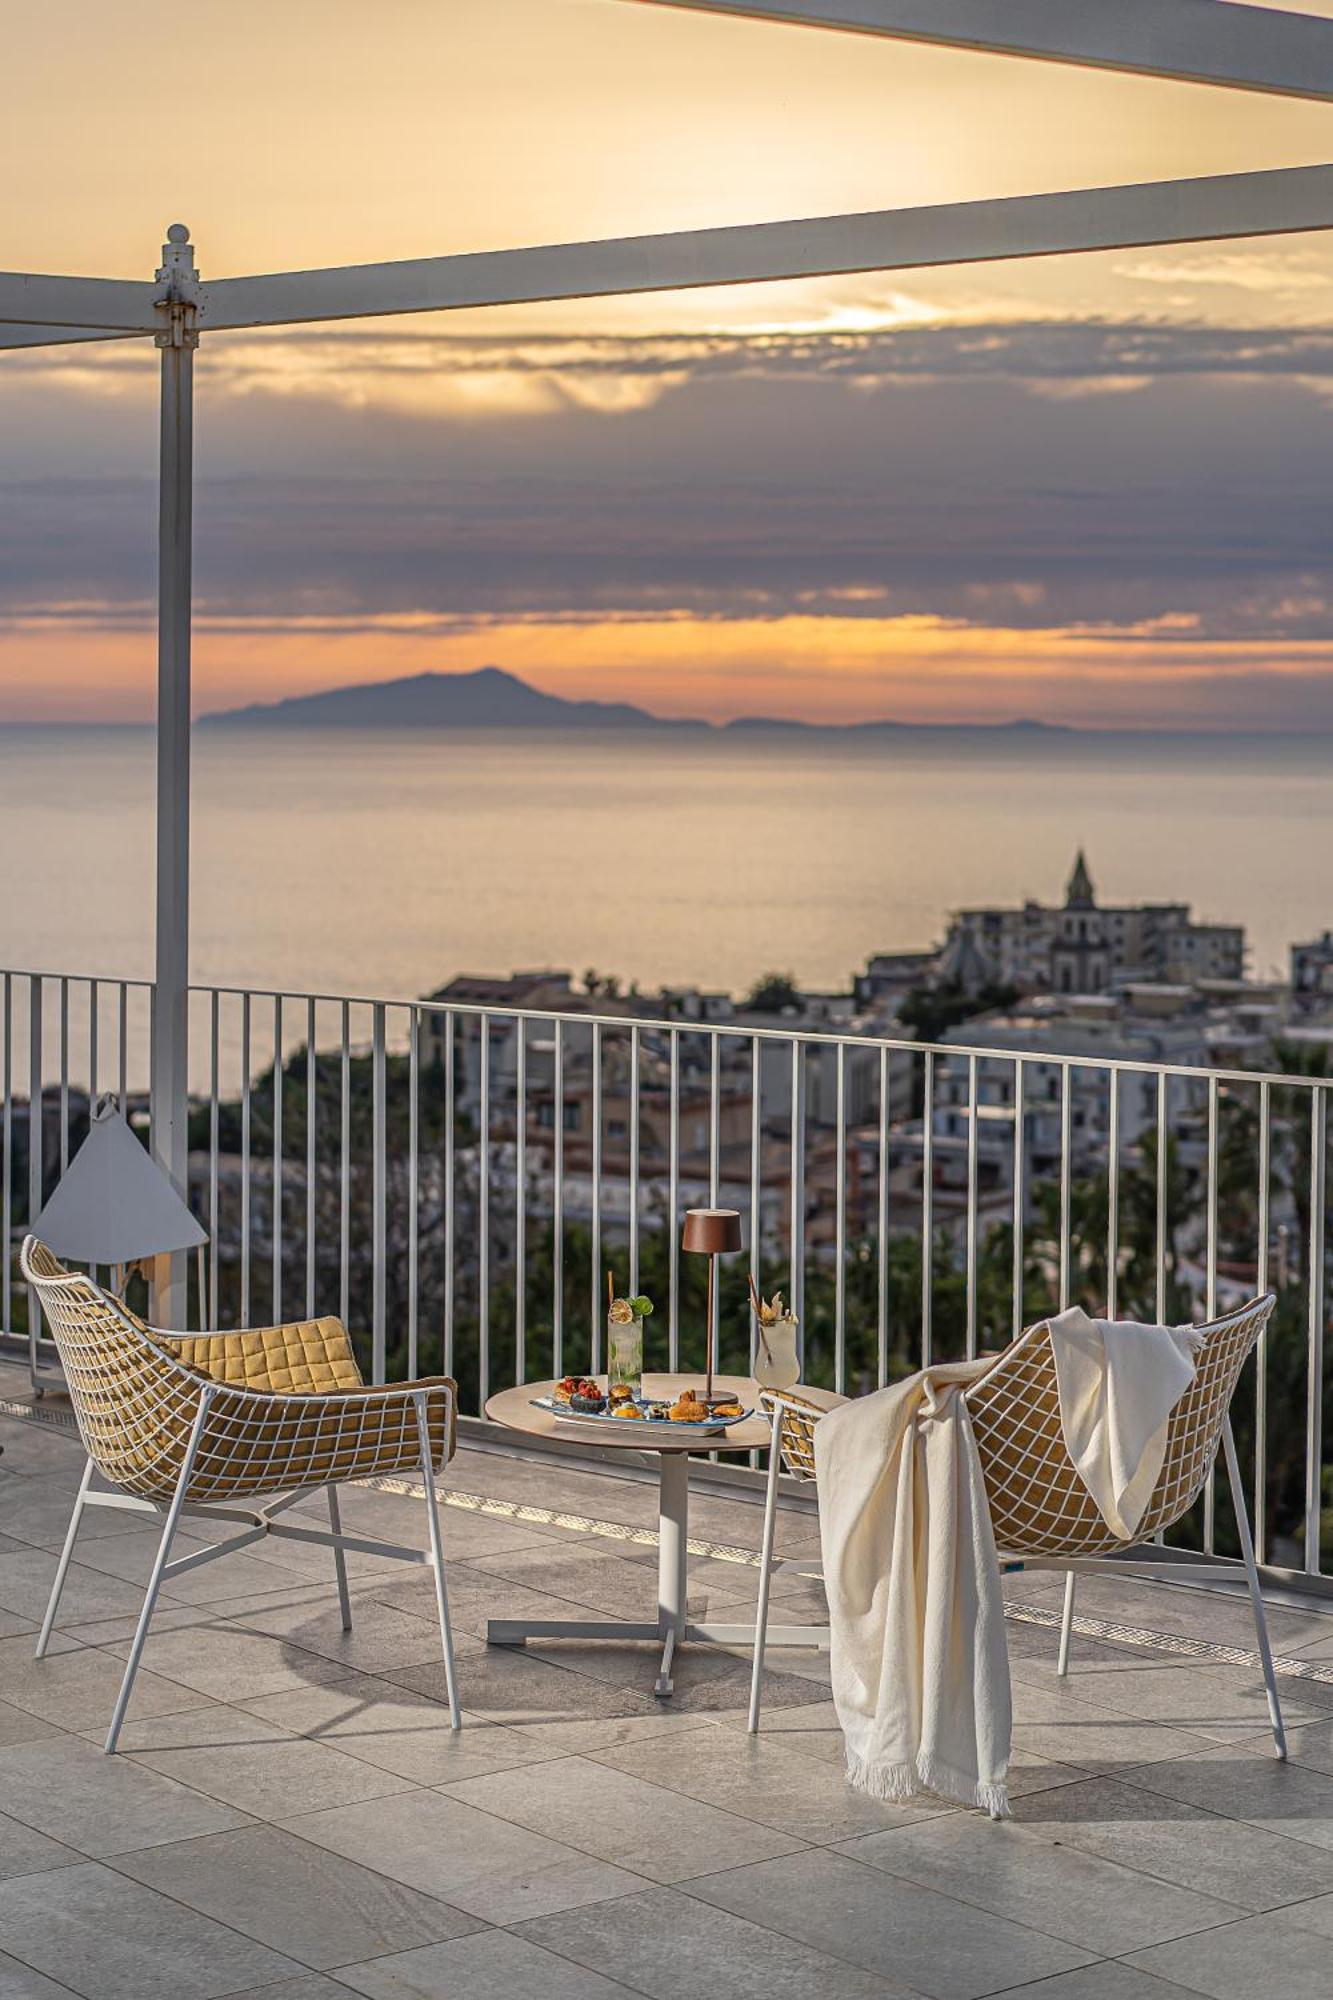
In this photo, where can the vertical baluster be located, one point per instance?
(673, 1196)
(972, 1200)
(1066, 1178)
(245, 1160)
(796, 1226)
(840, 1223)
(634, 1062)
(558, 1204)
(484, 1217)
(1314, 1413)
(7, 1163)
(413, 1186)
(94, 1010)
(595, 1310)
(1020, 1197)
(927, 1207)
(311, 1154)
(714, 1154)
(449, 1177)
(214, 1134)
(520, 1200)
(35, 1149)
(1161, 1197)
(1261, 1355)
(64, 1074)
(123, 1037)
(379, 1192)
(277, 1159)
(1210, 1292)
(1113, 1194)
(756, 1131)
(345, 1168)
(882, 1344)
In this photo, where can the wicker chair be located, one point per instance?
(182, 1424)
(1043, 1515)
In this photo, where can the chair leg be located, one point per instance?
(339, 1560)
(62, 1567)
(437, 1563)
(1256, 1595)
(155, 1580)
(1066, 1623)
(765, 1574)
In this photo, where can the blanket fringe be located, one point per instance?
(898, 1784)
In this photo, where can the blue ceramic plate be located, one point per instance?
(711, 1427)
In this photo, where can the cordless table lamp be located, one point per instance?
(711, 1233)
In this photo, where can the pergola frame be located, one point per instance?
(1200, 41)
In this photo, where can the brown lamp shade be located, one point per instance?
(711, 1231)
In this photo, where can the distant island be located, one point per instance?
(490, 698)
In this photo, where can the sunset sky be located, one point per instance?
(1096, 490)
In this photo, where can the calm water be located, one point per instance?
(384, 863)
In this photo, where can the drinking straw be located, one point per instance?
(759, 1318)
(610, 1288)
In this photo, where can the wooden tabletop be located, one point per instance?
(514, 1408)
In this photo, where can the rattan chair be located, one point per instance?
(183, 1424)
(1043, 1515)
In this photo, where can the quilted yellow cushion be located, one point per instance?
(307, 1354)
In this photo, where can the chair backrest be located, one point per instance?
(796, 1432)
(133, 1401)
(1039, 1505)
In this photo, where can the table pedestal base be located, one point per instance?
(671, 1625)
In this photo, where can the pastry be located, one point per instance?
(621, 1392)
(627, 1410)
(688, 1410)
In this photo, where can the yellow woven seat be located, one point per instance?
(183, 1421)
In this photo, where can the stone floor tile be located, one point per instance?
(1245, 1865)
(623, 1819)
(233, 1755)
(490, 1965)
(101, 1805)
(1219, 1702)
(24, 1982)
(381, 1636)
(474, 1597)
(510, 1684)
(932, 1943)
(131, 1557)
(1098, 1904)
(108, 1938)
(17, 1725)
(221, 1660)
(313, 1986)
(76, 1686)
(585, 1733)
(669, 1946)
(25, 1851)
(1108, 1980)
(478, 1863)
(758, 1778)
(302, 1900)
(1259, 1958)
(399, 1731)
(708, 1679)
(25, 1586)
(1236, 1783)
(1059, 1724)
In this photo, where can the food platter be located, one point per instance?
(649, 1414)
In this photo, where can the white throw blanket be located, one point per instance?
(1119, 1382)
(919, 1664)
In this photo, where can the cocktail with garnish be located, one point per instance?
(624, 1342)
(777, 1364)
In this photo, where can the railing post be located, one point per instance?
(379, 1174)
(170, 1109)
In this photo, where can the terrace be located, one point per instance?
(290, 1814)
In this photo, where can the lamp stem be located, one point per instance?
(708, 1392)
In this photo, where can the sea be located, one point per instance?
(381, 863)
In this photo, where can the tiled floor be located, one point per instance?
(291, 1818)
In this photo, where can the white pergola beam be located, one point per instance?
(1192, 41)
(119, 305)
(59, 336)
(1225, 206)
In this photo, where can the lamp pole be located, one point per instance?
(169, 1079)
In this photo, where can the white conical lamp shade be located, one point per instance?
(114, 1204)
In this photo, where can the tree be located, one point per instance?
(771, 993)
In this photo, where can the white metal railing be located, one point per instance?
(454, 1181)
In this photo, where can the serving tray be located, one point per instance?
(600, 1419)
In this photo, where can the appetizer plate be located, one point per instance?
(601, 1419)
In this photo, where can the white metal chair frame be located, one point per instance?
(226, 1458)
(1044, 1516)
